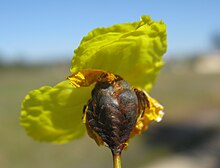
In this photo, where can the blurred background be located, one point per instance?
(37, 39)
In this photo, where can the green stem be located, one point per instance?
(116, 160)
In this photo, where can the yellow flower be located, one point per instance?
(132, 50)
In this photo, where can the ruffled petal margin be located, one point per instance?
(132, 50)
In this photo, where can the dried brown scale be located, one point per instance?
(142, 101)
(112, 112)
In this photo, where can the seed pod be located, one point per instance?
(111, 113)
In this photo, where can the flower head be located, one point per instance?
(131, 50)
(116, 111)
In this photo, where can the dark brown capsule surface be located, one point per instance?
(112, 112)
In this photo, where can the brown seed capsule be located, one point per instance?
(111, 113)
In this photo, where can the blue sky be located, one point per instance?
(49, 29)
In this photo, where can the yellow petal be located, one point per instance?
(132, 50)
(54, 114)
(152, 112)
(86, 77)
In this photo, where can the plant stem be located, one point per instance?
(116, 160)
